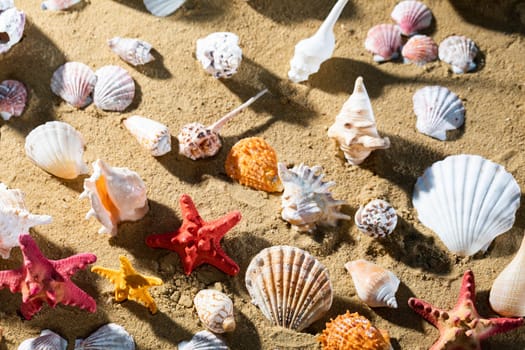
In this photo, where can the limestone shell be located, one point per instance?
(152, 135)
(411, 16)
(13, 98)
(12, 23)
(419, 49)
(114, 89)
(215, 310)
(134, 51)
(108, 337)
(376, 219)
(384, 41)
(48, 340)
(460, 52)
(163, 8)
(219, 54)
(58, 5)
(74, 83)
(204, 340)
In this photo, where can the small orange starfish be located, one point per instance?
(129, 284)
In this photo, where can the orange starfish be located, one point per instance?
(129, 284)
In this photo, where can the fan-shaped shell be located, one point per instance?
(467, 201)
(152, 135)
(215, 310)
(203, 340)
(57, 148)
(219, 54)
(437, 109)
(290, 286)
(384, 41)
(420, 49)
(57, 5)
(74, 83)
(48, 340)
(12, 23)
(13, 97)
(411, 16)
(114, 89)
(460, 52)
(376, 219)
(133, 51)
(163, 8)
(108, 337)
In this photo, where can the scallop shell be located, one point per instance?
(253, 163)
(57, 5)
(163, 8)
(420, 49)
(459, 52)
(114, 90)
(12, 24)
(13, 97)
(411, 16)
(219, 54)
(57, 148)
(467, 201)
(384, 41)
(108, 337)
(290, 286)
(376, 219)
(116, 194)
(152, 135)
(215, 310)
(437, 109)
(48, 340)
(203, 340)
(133, 51)
(74, 82)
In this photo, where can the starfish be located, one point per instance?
(129, 284)
(40, 279)
(198, 242)
(462, 328)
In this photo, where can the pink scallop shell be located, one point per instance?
(459, 52)
(114, 90)
(420, 49)
(411, 16)
(384, 41)
(74, 82)
(13, 97)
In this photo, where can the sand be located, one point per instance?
(293, 118)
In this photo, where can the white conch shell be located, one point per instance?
(57, 148)
(376, 219)
(374, 285)
(290, 286)
(163, 8)
(204, 340)
(215, 310)
(219, 54)
(48, 340)
(355, 127)
(108, 337)
(116, 194)
(133, 51)
(152, 135)
(12, 23)
(58, 5)
(310, 53)
(467, 201)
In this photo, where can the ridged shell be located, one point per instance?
(108, 337)
(253, 163)
(203, 340)
(376, 219)
(215, 310)
(411, 16)
(420, 49)
(374, 285)
(384, 41)
(163, 8)
(48, 340)
(133, 51)
(290, 286)
(467, 201)
(57, 148)
(12, 23)
(13, 97)
(437, 109)
(152, 135)
(114, 90)
(74, 83)
(459, 52)
(219, 54)
(57, 5)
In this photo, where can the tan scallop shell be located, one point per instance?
(215, 310)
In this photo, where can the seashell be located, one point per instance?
(116, 194)
(459, 52)
(203, 340)
(420, 49)
(48, 340)
(306, 200)
(376, 219)
(12, 24)
(215, 310)
(253, 163)
(114, 89)
(290, 286)
(6, 4)
(163, 8)
(152, 135)
(219, 54)
(57, 5)
(133, 51)
(353, 332)
(467, 201)
(437, 109)
(310, 53)
(13, 97)
(355, 128)
(374, 285)
(108, 337)
(384, 41)
(74, 82)
(199, 141)
(57, 148)
(411, 16)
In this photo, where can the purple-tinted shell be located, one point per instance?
(13, 97)
(411, 16)
(74, 82)
(114, 90)
(420, 49)
(384, 41)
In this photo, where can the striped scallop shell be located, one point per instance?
(12, 22)
(215, 310)
(57, 5)
(13, 97)
(437, 109)
(203, 340)
(376, 219)
(108, 337)
(133, 51)
(74, 82)
(163, 8)
(420, 49)
(459, 52)
(48, 340)
(152, 135)
(114, 90)
(384, 41)
(290, 286)
(411, 16)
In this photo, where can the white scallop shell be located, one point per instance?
(152, 135)
(133, 51)
(374, 285)
(376, 219)
(467, 201)
(48, 340)
(163, 8)
(114, 89)
(74, 82)
(116, 194)
(459, 52)
(12, 23)
(411, 16)
(57, 5)
(290, 286)
(203, 340)
(57, 148)
(384, 41)
(437, 109)
(108, 337)
(215, 310)
(219, 54)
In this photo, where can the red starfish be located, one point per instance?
(40, 279)
(198, 242)
(462, 328)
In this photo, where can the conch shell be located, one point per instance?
(215, 310)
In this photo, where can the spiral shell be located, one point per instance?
(13, 97)
(108, 337)
(384, 41)
(48, 340)
(133, 51)
(114, 90)
(219, 54)
(411, 16)
(376, 219)
(420, 49)
(459, 52)
(152, 135)
(215, 310)
(74, 82)
(203, 340)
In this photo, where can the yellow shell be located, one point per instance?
(353, 332)
(253, 163)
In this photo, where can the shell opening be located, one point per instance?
(108, 204)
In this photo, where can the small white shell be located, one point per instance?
(13, 98)
(108, 337)
(437, 109)
(219, 54)
(459, 52)
(74, 82)
(384, 41)
(376, 219)
(163, 8)
(114, 90)
(152, 135)
(6, 4)
(12, 23)
(48, 340)
(411, 16)
(203, 340)
(215, 310)
(57, 5)
(133, 51)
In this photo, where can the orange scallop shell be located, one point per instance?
(253, 163)
(353, 332)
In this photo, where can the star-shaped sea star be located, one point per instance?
(462, 328)
(40, 279)
(198, 242)
(129, 284)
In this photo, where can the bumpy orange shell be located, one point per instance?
(353, 332)
(253, 163)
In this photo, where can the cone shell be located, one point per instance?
(376, 219)
(253, 163)
(219, 54)
(108, 337)
(459, 52)
(114, 90)
(12, 22)
(74, 83)
(203, 340)
(58, 5)
(384, 41)
(420, 49)
(198, 141)
(133, 51)
(152, 135)
(215, 310)
(411, 16)
(48, 340)
(290, 286)
(13, 97)
(163, 8)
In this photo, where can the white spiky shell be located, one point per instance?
(163, 8)
(411, 16)
(116, 194)
(215, 310)
(376, 219)
(467, 201)
(384, 41)
(152, 135)
(114, 89)
(6, 4)
(12, 22)
(437, 109)
(57, 148)
(133, 51)
(204, 340)
(108, 337)
(290, 286)
(219, 54)
(460, 52)
(74, 83)
(48, 340)
(58, 5)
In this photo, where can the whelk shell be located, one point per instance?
(215, 310)
(13, 97)
(152, 135)
(58, 5)
(376, 219)
(411, 16)
(12, 23)
(74, 82)
(114, 89)
(219, 54)
(108, 337)
(163, 8)
(204, 340)
(133, 51)
(460, 52)
(48, 340)
(384, 41)
(419, 49)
